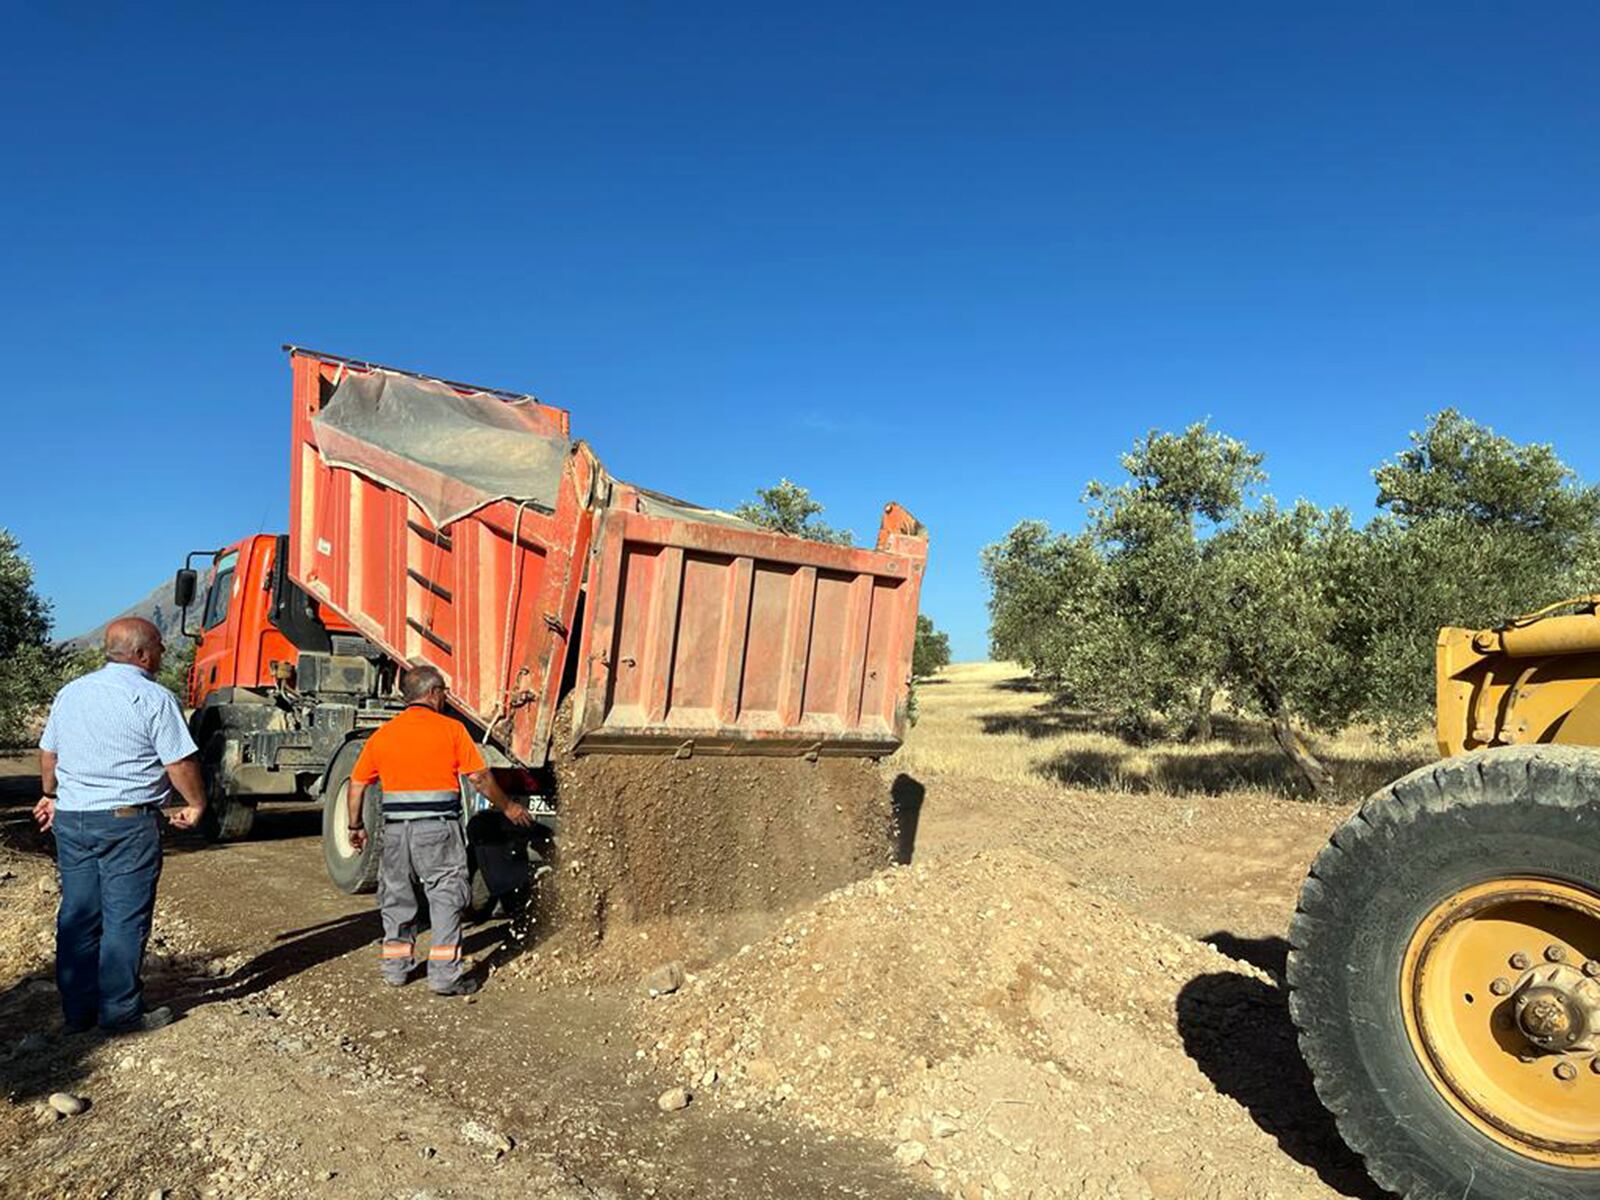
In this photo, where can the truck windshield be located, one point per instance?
(221, 591)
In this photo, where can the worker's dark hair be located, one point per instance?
(417, 682)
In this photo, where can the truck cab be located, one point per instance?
(236, 643)
(282, 694)
(278, 684)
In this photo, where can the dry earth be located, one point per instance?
(1066, 992)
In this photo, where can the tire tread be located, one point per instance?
(1552, 776)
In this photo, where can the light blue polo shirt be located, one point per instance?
(114, 732)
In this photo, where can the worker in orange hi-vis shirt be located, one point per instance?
(419, 758)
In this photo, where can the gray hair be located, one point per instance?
(417, 682)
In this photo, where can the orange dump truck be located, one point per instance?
(463, 526)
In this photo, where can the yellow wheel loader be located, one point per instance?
(1445, 961)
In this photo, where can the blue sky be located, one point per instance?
(958, 257)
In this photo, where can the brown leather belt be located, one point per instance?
(132, 810)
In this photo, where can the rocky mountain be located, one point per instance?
(156, 607)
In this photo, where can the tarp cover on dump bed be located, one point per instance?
(451, 453)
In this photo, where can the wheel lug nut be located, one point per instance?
(1556, 953)
(1520, 961)
(1566, 1071)
(1500, 986)
(1592, 968)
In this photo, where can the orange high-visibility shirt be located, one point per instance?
(418, 750)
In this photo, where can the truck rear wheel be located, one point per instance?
(352, 871)
(1445, 976)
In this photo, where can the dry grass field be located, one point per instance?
(990, 721)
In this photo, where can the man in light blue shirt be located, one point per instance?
(113, 751)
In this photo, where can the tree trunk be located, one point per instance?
(1200, 727)
(1317, 776)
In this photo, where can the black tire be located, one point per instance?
(501, 858)
(1484, 816)
(228, 818)
(353, 872)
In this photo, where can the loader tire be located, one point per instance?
(1414, 898)
(352, 871)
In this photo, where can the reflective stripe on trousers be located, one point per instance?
(433, 854)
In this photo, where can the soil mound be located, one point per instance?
(1009, 1032)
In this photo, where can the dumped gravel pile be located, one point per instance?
(652, 836)
(1009, 1032)
(660, 857)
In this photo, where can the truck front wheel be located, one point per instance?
(352, 871)
(228, 817)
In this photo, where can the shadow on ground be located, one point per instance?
(35, 1058)
(1240, 756)
(905, 798)
(1237, 1030)
(1219, 768)
(43, 1060)
(1021, 683)
(279, 821)
(290, 953)
(1267, 954)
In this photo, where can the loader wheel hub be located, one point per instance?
(1547, 1020)
(1507, 1056)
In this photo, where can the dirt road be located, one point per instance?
(293, 1073)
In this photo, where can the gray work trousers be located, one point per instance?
(432, 853)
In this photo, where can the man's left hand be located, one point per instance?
(44, 813)
(186, 817)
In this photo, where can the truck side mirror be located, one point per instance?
(183, 584)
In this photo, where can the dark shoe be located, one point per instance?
(393, 982)
(464, 986)
(155, 1018)
(71, 1028)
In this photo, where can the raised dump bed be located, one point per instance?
(464, 527)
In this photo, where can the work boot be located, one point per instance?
(154, 1018)
(464, 986)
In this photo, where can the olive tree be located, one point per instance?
(931, 651)
(1153, 531)
(30, 667)
(1474, 528)
(788, 508)
(1185, 584)
(1041, 585)
(1289, 624)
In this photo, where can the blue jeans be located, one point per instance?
(109, 867)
